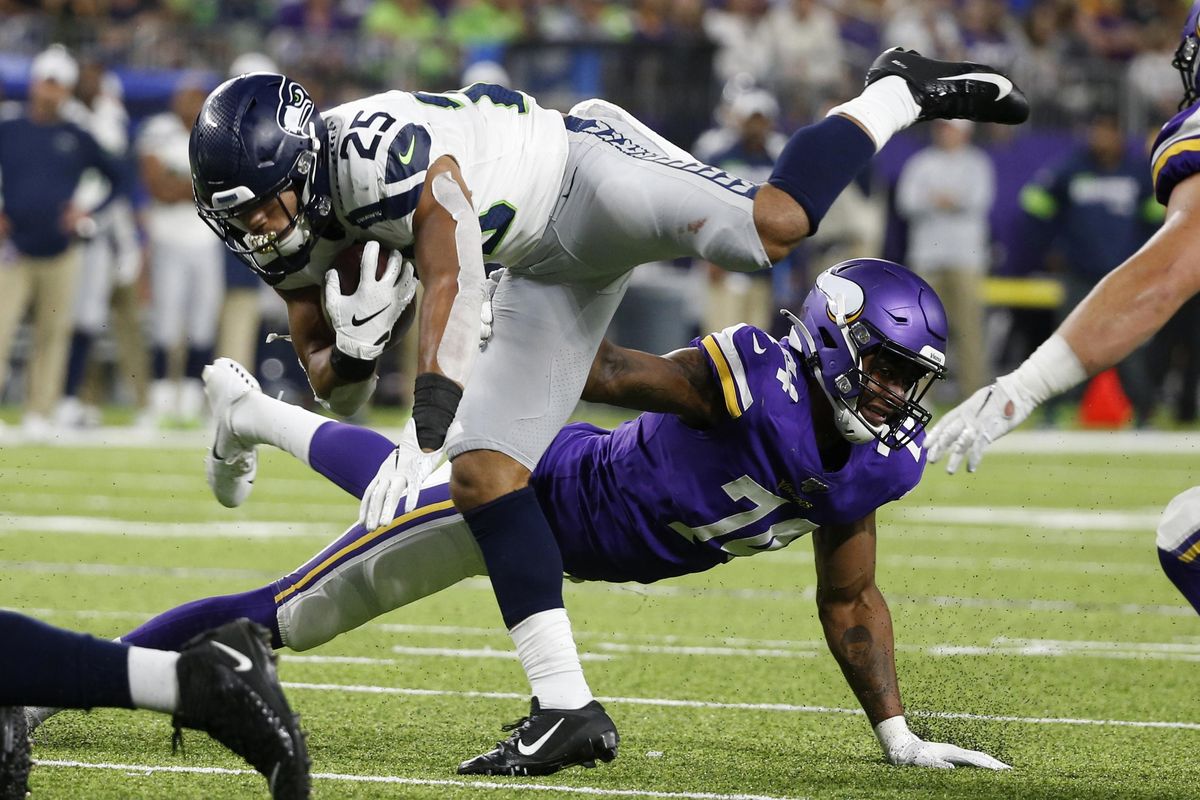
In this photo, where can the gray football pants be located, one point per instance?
(627, 198)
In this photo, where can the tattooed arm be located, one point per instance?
(678, 383)
(858, 625)
(858, 628)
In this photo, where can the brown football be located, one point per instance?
(347, 263)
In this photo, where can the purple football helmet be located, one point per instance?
(257, 136)
(1186, 60)
(868, 307)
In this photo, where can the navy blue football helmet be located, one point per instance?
(1186, 60)
(871, 306)
(257, 136)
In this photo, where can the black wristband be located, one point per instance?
(349, 368)
(435, 401)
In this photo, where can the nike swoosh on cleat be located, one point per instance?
(530, 749)
(1003, 85)
(242, 664)
(355, 321)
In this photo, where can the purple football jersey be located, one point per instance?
(655, 498)
(1176, 153)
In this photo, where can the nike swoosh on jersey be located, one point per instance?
(758, 348)
(242, 663)
(1003, 85)
(407, 157)
(355, 321)
(530, 749)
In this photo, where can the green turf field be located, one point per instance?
(1031, 621)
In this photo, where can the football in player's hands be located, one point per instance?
(348, 264)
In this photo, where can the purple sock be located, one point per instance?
(172, 629)
(1185, 576)
(347, 455)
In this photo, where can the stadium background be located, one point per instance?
(1032, 619)
(679, 65)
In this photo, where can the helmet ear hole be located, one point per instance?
(827, 338)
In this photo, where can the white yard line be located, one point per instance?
(709, 704)
(1038, 518)
(512, 786)
(107, 526)
(129, 570)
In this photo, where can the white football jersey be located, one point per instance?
(511, 152)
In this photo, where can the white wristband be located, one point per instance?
(893, 734)
(1051, 370)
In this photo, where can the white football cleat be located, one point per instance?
(230, 465)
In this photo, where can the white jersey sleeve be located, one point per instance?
(511, 152)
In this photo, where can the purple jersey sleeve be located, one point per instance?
(1176, 154)
(655, 498)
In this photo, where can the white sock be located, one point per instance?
(258, 419)
(547, 652)
(153, 681)
(884, 108)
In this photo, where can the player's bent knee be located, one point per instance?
(481, 476)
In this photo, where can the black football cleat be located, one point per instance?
(953, 89)
(228, 688)
(14, 754)
(549, 740)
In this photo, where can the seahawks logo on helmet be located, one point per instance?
(295, 108)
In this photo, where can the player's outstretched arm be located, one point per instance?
(858, 630)
(1124, 310)
(678, 383)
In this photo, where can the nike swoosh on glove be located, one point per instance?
(977, 422)
(363, 321)
(400, 476)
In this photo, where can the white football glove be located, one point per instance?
(363, 321)
(920, 753)
(977, 422)
(400, 475)
(486, 317)
(903, 748)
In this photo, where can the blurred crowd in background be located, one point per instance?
(1012, 226)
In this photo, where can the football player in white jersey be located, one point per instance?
(1124, 310)
(569, 204)
(187, 267)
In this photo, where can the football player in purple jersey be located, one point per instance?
(1120, 314)
(746, 444)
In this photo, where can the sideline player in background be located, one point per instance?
(1124, 310)
(779, 439)
(222, 682)
(187, 267)
(570, 205)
